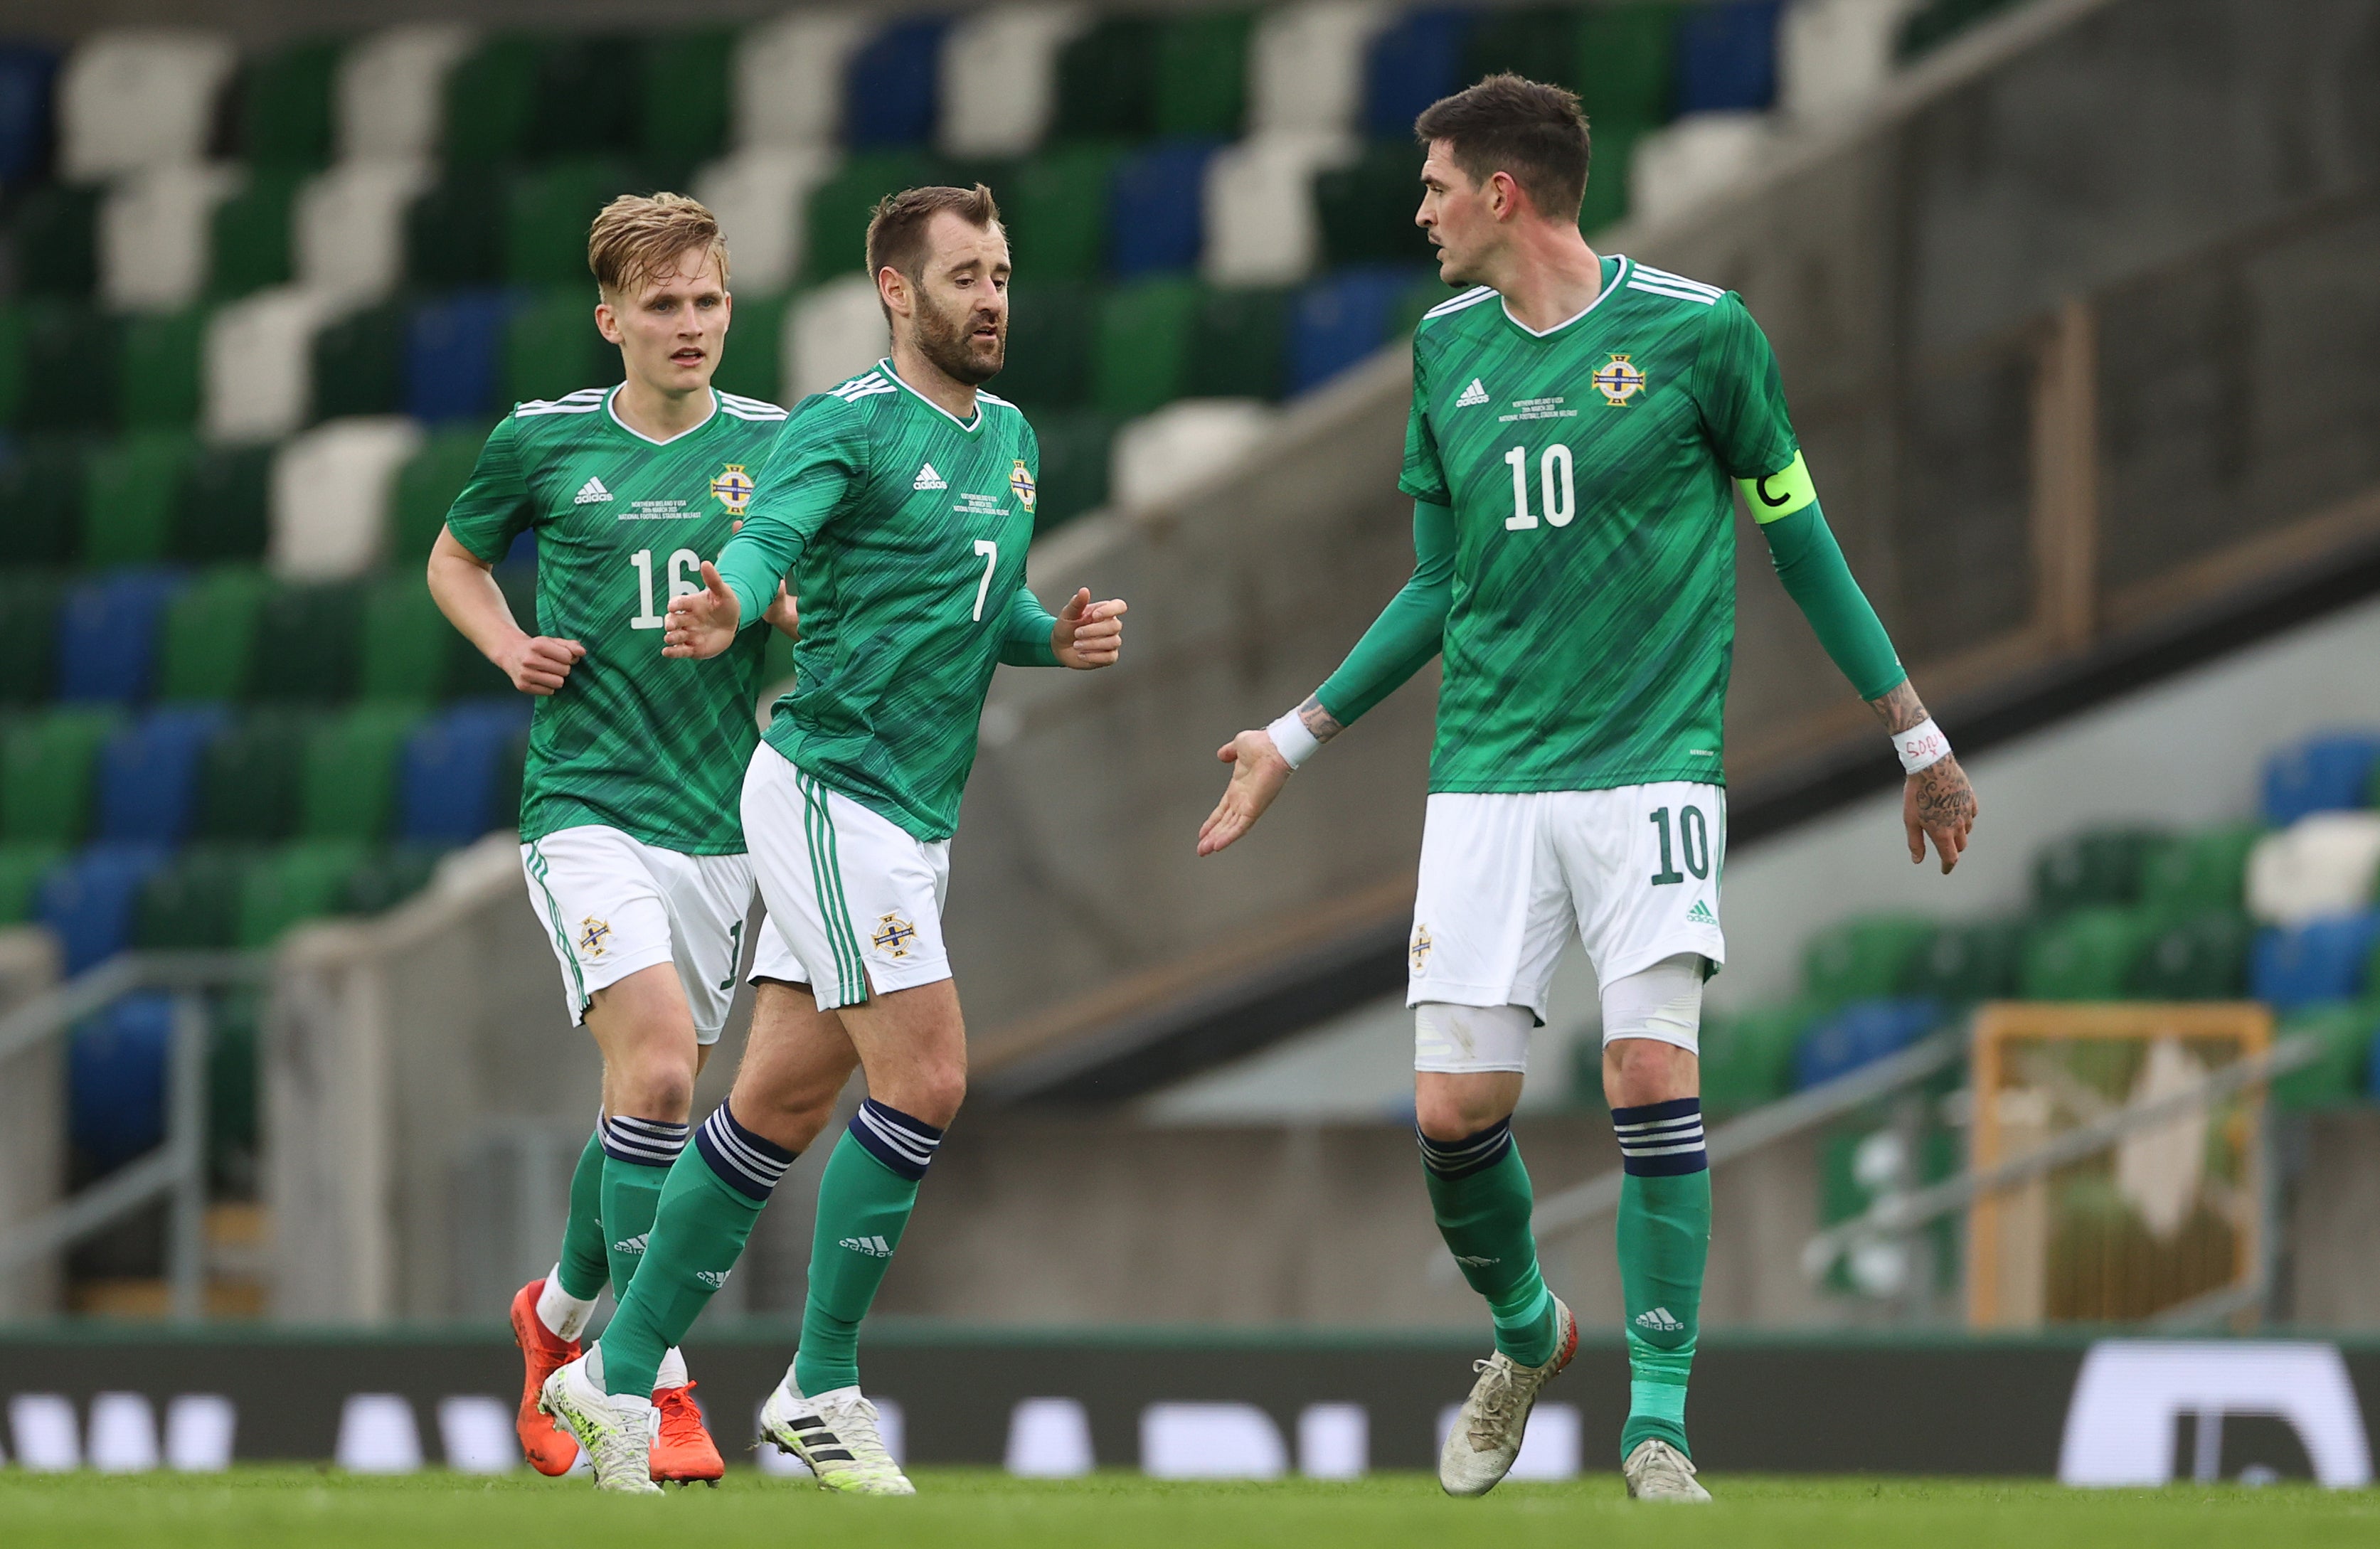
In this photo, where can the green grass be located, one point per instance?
(258, 1507)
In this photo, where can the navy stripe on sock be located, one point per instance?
(904, 1144)
(1459, 1158)
(1661, 1139)
(745, 1162)
(649, 1142)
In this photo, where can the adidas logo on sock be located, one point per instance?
(1660, 1320)
(874, 1247)
(714, 1278)
(630, 1244)
(591, 492)
(928, 479)
(1700, 915)
(1475, 393)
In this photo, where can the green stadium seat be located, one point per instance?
(1107, 82)
(2098, 868)
(56, 244)
(207, 648)
(386, 878)
(22, 866)
(307, 642)
(1968, 962)
(752, 364)
(2204, 958)
(70, 356)
(251, 246)
(29, 641)
(1202, 73)
(546, 217)
(410, 649)
(163, 353)
(46, 767)
(1142, 357)
(590, 96)
(347, 774)
(835, 222)
(490, 101)
(1626, 65)
(2335, 1080)
(686, 84)
(192, 904)
(250, 779)
(12, 362)
(454, 231)
(223, 513)
(1865, 959)
(2086, 955)
(426, 488)
(359, 362)
(1056, 212)
(294, 883)
(1076, 448)
(1542, 43)
(286, 99)
(551, 347)
(1613, 147)
(132, 489)
(1746, 1060)
(1052, 327)
(1366, 208)
(2206, 868)
(41, 502)
(1236, 344)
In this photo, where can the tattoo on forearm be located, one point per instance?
(1900, 708)
(1317, 720)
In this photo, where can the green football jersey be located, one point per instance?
(634, 740)
(905, 532)
(1589, 469)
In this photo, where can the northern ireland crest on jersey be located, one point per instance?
(1619, 382)
(732, 489)
(893, 935)
(1021, 485)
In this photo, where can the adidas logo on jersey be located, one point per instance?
(1700, 915)
(1475, 393)
(1660, 1320)
(874, 1247)
(928, 479)
(591, 492)
(630, 1244)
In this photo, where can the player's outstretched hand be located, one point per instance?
(1087, 633)
(1938, 802)
(785, 615)
(539, 664)
(1259, 771)
(703, 623)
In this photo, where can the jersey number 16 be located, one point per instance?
(683, 573)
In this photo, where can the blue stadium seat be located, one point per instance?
(2328, 773)
(116, 1080)
(1859, 1033)
(2321, 959)
(1411, 63)
(26, 73)
(1727, 56)
(891, 85)
(454, 356)
(148, 774)
(89, 901)
(107, 634)
(1156, 199)
(449, 772)
(1339, 320)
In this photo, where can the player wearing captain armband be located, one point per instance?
(1581, 428)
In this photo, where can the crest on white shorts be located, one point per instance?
(1419, 952)
(592, 934)
(894, 935)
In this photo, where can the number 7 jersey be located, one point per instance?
(634, 740)
(1590, 472)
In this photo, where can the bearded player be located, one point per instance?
(1580, 425)
(902, 503)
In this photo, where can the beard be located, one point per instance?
(948, 340)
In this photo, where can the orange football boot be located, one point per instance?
(550, 1447)
(684, 1451)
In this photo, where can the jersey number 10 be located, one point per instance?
(1561, 501)
(684, 574)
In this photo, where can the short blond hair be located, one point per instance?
(638, 235)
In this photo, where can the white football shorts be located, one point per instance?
(1507, 878)
(857, 896)
(612, 904)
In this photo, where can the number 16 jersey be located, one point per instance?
(634, 740)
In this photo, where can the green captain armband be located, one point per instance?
(1781, 494)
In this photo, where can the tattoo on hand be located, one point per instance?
(1900, 707)
(1317, 720)
(1945, 797)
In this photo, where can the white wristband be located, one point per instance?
(1289, 734)
(1921, 747)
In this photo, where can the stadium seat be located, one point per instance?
(191, 903)
(1157, 456)
(285, 103)
(1000, 78)
(2204, 869)
(683, 92)
(107, 634)
(2087, 955)
(1340, 321)
(2324, 774)
(207, 644)
(787, 87)
(390, 91)
(294, 883)
(2339, 1076)
(2098, 868)
(454, 231)
(2325, 863)
(160, 376)
(411, 656)
(307, 641)
(1155, 214)
(1727, 56)
(148, 775)
(1305, 69)
(888, 84)
(154, 240)
(331, 488)
(116, 1081)
(1968, 962)
(138, 98)
(1539, 42)
(1608, 188)
(1144, 347)
(834, 219)
(1747, 1060)
(73, 354)
(258, 363)
(2321, 959)
(1863, 959)
(1053, 327)
(551, 347)
(225, 505)
(453, 350)
(1058, 221)
(1411, 64)
(349, 230)
(451, 768)
(1627, 66)
(53, 237)
(359, 362)
(1238, 343)
(1261, 224)
(1365, 210)
(832, 332)
(89, 900)
(250, 778)
(761, 198)
(2205, 958)
(46, 764)
(1861, 1033)
(546, 215)
(1202, 73)
(490, 101)
(248, 245)
(752, 365)
(387, 878)
(426, 488)
(346, 773)
(22, 866)
(131, 489)
(28, 72)
(1075, 458)
(40, 501)
(1107, 82)
(590, 98)
(29, 635)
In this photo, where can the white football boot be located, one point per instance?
(615, 1430)
(1657, 1471)
(1486, 1434)
(836, 1434)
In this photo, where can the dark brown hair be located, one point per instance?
(1532, 132)
(638, 235)
(896, 230)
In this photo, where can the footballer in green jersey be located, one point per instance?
(1581, 428)
(630, 845)
(902, 503)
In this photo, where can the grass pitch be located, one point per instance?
(262, 1507)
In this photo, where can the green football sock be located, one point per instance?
(865, 1198)
(708, 1204)
(1480, 1192)
(638, 1155)
(584, 1265)
(1664, 1237)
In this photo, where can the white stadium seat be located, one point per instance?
(833, 334)
(1677, 168)
(2323, 864)
(1305, 69)
(999, 77)
(1182, 445)
(330, 498)
(789, 79)
(258, 376)
(346, 231)
(139, 99)
(153, 235)
(1833, 56)
(760, 197)
(1259, 207)
(390, 94)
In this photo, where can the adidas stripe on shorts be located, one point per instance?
(1506, 877)
(858, 898)
(611, 905)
